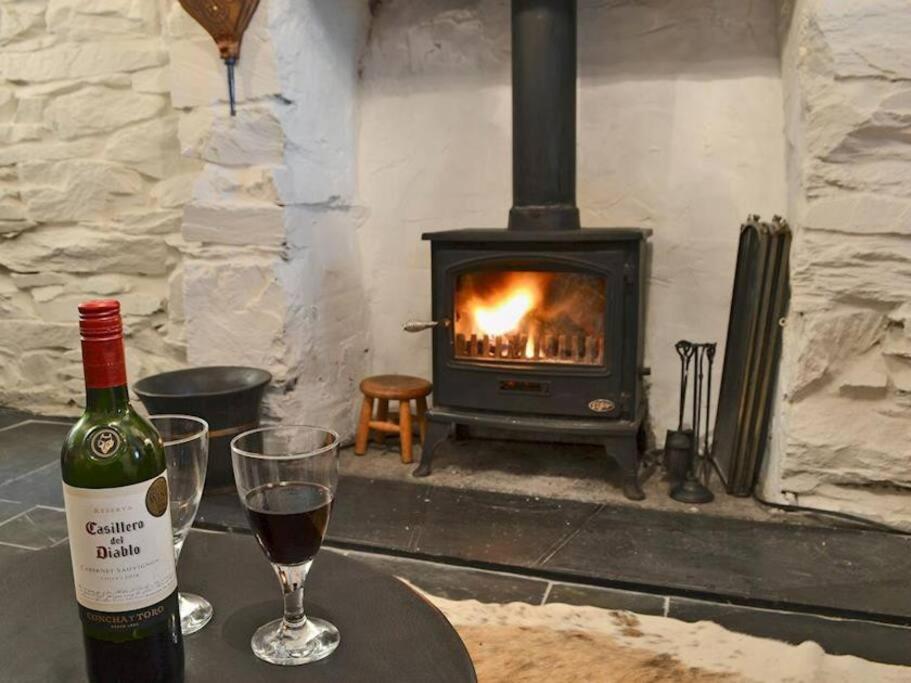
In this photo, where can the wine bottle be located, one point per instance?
(115, 490)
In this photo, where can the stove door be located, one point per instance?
(532, 332)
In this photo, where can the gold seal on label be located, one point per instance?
(157, 497)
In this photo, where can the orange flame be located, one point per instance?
(505, 315)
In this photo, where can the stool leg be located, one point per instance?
(363, 426)
(422, 420)
(405, 430)
(382, 415)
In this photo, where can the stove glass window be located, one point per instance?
(530, 316)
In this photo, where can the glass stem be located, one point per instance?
(178, 546)
(292, 578)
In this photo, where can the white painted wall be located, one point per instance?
(680, 130)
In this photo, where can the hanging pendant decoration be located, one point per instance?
(226, 21)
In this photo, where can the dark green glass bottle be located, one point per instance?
(118, 518)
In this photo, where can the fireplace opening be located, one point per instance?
(530, 316)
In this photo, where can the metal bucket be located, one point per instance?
(226, 397)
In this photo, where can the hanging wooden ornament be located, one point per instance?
(226, 21)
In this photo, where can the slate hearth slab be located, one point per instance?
(773, 563)
(607, 598)
(497, 529)
(459, 583)
(379, 513)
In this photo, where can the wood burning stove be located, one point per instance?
(538, 327)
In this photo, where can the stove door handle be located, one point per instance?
(421, 325)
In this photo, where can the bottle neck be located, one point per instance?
(105, 375)
(107, 399)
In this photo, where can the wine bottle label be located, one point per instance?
(121, 546)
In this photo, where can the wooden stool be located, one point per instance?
(385, 388)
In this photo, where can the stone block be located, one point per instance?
(825, 341)
(98, 109)
(79, 60)
(48, 151)
(28, 335)
(30, 109)
(149, 222)
(152, 81)
(44, 294)
(150, 147)
(78, 249)
(835, 266)
(865, 39)
(253, 137)
(75, 190)
(248, 223)
(860, 213)
(842, 439)
(43, 279)
(216, 183)
(20, 20)
(174, 191)
(22, 132)
(94, 19)
(235, 311)
(865, 376)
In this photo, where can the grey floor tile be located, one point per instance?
(51, 522)
(22, 532)
(10, 508)
(10, 417)
(40, 487)
(29, 446)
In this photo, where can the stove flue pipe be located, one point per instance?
(544, 115)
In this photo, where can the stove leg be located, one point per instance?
(626, 455)
(435, 435)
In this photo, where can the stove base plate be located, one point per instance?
(619, 437)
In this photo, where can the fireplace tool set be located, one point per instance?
(688, 469)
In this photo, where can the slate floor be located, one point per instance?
(844, 588)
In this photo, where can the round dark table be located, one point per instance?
(389, 633)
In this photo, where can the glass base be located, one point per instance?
(310, 642)
(195, 612)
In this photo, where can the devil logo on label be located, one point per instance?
(105, 442)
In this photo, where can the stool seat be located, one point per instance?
(396, 387)
(379, 390)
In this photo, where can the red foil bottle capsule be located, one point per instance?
(101, 331)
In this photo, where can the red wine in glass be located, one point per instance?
(289, 519)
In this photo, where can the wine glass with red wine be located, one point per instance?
(286, 478)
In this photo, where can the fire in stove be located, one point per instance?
(530, 316)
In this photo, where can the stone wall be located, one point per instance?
(842, 434)
(680, 130)
(271, 272)
(91, 189)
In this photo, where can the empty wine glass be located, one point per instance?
(186, 448)
(286, 478)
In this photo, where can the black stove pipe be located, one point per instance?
(544, 115)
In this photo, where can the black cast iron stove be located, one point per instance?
(538, 328)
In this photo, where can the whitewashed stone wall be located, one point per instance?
(680, 130)
(91, 188)
(272, 273)
(842, 436)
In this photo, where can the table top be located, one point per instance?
(389, 632)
